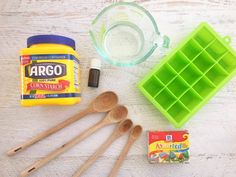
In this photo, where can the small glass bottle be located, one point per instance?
(94, 73)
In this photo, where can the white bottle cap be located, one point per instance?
(96, 64)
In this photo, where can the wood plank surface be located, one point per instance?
(212, 129)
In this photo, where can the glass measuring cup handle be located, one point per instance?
(166, 42)
(163, 41)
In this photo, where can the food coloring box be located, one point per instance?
(168, 146)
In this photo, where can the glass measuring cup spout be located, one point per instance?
(125, 34)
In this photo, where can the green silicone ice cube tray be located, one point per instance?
(190, 75)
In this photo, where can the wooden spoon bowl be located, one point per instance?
(117, 114)
(105, 102)
(136, 131)
(125, 126)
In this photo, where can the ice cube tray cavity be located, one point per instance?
(190, 75)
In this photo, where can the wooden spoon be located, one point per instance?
(102, 103)
(117, 114)
(121, 129)
(134, 135)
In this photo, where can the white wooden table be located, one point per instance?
(212, 129)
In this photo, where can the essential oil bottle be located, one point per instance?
(94, 73)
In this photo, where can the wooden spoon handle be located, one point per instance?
(121, 159)
(48, 132)
(61, 149)
(94, 157)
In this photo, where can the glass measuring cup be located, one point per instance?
(125, 34)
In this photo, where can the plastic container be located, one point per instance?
(190, 75)
(50, 73)
(125, 34)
